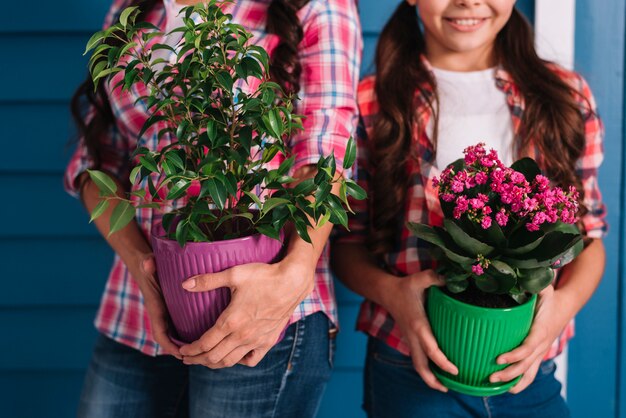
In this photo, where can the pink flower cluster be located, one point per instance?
(486, 191)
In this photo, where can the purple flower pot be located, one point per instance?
(194, 313)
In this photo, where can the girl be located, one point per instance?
(471, 75)
(128, 375)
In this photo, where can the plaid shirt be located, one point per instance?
(410, 255)
(330, 55)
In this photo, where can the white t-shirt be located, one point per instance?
(471, 110)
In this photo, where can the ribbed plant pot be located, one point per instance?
(193, 313)
(473, 337)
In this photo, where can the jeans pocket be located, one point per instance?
(382, 353)
(332, 344)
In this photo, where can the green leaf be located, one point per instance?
(339, 215)
(273, 202)
(125, 14)
(94, 40)
(355, 190)
(149, 162)
(528, 167)
(465, 241)
(122, 214)
(457, 286)
(100, 208)
(430, 235)
(179, 189)
(269, 231)
(348, 159)
(535, 280)
(105, 183)
(217, 191)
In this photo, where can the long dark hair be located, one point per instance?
(552, 120)
(285, 69)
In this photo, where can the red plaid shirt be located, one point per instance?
(411, 255)
(330, 55)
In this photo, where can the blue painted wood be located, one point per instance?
(593, 353)
(51, 131)
(40, 394)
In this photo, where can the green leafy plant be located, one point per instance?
(212, 179)
(504, 228)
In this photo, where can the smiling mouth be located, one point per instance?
(466, 22)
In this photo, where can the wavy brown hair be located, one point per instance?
(552, 120)
(285, 69)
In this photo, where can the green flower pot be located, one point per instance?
(473, 337)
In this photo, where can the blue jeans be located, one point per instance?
(289, 382)
(394, 389)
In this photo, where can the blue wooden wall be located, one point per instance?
(53, 264)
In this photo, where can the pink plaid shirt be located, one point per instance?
(411, 255)
(330, 55)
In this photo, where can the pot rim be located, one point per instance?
(476, 308)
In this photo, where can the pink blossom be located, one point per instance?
(477, 269)
(501, 218)
(481, 177)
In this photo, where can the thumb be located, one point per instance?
(205, 282)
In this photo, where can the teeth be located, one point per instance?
(467, 22)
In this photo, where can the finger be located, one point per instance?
(420, 363)
(206, 282)
(433, 352)
(254, 357)
(528, 377)
(514, 370)
(207, 342)
(534, 340)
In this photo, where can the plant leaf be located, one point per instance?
(105, 183)
(466, 242)
(122, 214)
(100, 208)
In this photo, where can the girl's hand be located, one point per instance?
(406, 306)
(526, 359)
(144, 273)
(263, 298)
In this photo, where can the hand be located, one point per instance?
(263, 298)
(526, 359)
(144, 273)
(407, 308)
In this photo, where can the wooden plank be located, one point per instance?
(593, 356)
(343, 396)
(53, 272)
(44, 208)
(40, 393)
(41, 131)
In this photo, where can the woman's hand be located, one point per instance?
(144, 273)
(526, 359)
(406, 306)
(263, 298)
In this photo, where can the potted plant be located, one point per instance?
(505, 231)
(221, 206)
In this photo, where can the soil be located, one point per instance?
(473, 296)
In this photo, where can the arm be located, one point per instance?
(265, 296)
(580, 278)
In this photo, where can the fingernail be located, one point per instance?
(189, 284)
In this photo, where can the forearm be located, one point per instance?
(358, 270)
(129, 243)
(580, 278)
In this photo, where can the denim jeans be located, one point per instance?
(392, 388)
(289, 382)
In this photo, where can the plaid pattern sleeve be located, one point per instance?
(594, 221)
(358, 221)
(330, 56)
